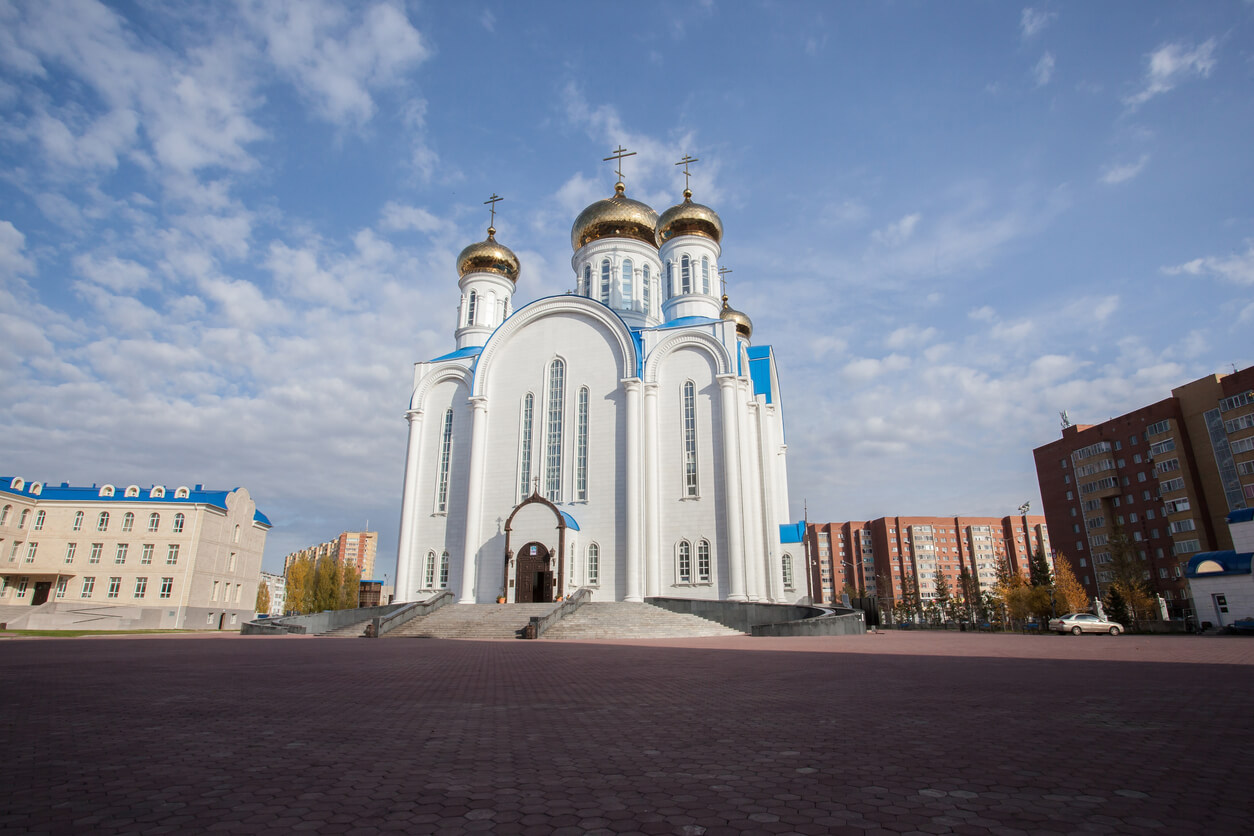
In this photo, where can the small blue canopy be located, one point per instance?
(570, 521)
(792, 532)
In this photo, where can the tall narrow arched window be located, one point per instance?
(428, 572)
(684, 570)
(444, 571)
(705, 275)
(21, 523)
(128, 522)
(78, 520)
(594, 565)
(472, 301)
(587, 280)
(154, 521)
(670, 279)
(4, 514)
(685, 275)
(42, 515)
(628, 291)
(581, 445)
(703, 561)
(605, 282)
(446, 455)
(524, 445)
(102, 522)
(553, 430)
(179, 519)
(786, 563)
(645, 288)
(690, 438)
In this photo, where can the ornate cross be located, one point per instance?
(618, 154)
(491, 203)
(684, 162)
(722, 277)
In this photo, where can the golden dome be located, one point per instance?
(744, 326)
(488, 256)
(689, 218)
(614, 217)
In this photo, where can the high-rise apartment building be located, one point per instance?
(1168, 474)
(880, 556)
(355, 547)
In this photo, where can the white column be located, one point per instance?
(652, 509)
(766, 463)
(474, 496)
(635, 567)
(404, 545)
(731, 499)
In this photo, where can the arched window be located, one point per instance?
(645, 288)
(605, 282)
(685, 275)
(107, 490)
(703, 561)
(553, 437)
(444, 571)
(524, 445)
(132, 490)
(472, 301)
(157, 492)
(78, 520)
(628, 291)
(179, 519)
(39, 520)
(4, 514)
(181, 493)
(670, 279)
(705, 275)
(17, 484)
(154, 520)
(102, 522)
(128, 521)
(587, 280)
(786, 562)
(690, 438)
(428, 576)
(446, 453)
(236, 534)
(594, 565)
(581, 445)
(684, 571)
(21, 523)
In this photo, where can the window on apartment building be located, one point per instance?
(141, 587)
(119, 556)
(172, 554)
(167, 587)
(145, 554)
(70, 548)
(39, 521)
(78, 520)
(115, 586)
(97, 549)
(154, 521)
(89, 584)
(179, 519)
(102, 521)
(62, 583)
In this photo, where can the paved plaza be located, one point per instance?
(890, 733)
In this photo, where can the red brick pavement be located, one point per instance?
(897, 733)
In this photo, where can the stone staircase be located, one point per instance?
(348, 631)
(621, 620)
(471, 621)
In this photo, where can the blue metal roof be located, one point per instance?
(468, 351)
(1242, 515)
(570, 521)
(82, 493)
(792, 532)
(760, 370)
(685, 321)
(1232, 563)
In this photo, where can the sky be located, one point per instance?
(228, 230)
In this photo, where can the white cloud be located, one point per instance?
(1114, 174)
(1044, 70)
(13, 260)
(1238, 268)
(1013, 332)
(910, 336)
(871, 368)
(117, 274)
(898, 232)
(1171, 64)
(488, 20)
(983, 314)
(1032, 21)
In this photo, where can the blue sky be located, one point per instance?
(228, 230)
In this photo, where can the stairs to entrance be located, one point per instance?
(621, 620)
(471, 621)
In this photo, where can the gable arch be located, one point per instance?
(706, 342)
(459, 374)
(552, 306)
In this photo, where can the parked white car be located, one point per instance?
(1076, 623)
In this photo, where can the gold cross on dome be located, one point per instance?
(491, 203)
(722, 277)
(684, 162)
(618, 154)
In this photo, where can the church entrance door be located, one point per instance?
(533, 580)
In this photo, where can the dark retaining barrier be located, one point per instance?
(745, 616)
(314, 623)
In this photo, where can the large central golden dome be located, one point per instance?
(689, 218)
(615, 217)
(488, 256)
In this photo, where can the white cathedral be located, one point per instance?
(627, 436)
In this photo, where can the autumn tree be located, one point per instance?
(1070, 595)
(350, 586)
(299, 578)
(263, 599)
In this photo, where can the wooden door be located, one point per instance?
(530, 569)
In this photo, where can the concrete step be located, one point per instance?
(621, 620)
(348, 631)
(471, 621)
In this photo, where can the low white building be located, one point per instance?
(1221, 583)
(277, 584)
(118, 557)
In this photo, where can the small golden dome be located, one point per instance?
(744, 325)
(488, 256)
(615, 217)
(689, 218)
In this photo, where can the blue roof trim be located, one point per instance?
(638, 339)
(1232, 563)
(468, 351)
(684, 321)
(792, 532)
(1240, 516)
(570, 521)
(760, 371)
(84, 493)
